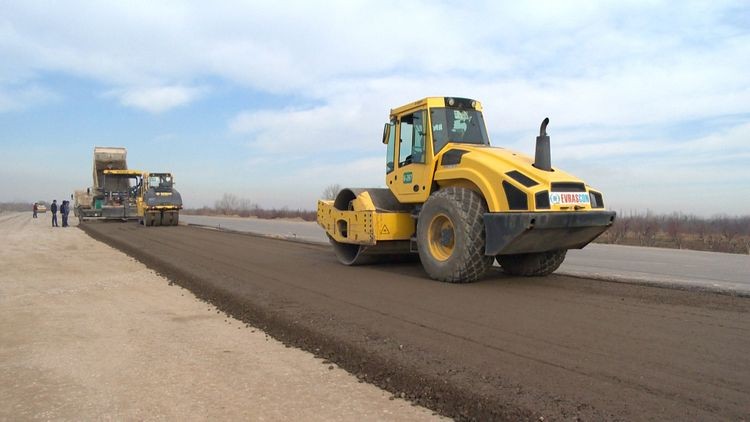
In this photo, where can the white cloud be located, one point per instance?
(165, 138)
(575, 58)
(21, 98)
(612, 76)
(349, 124)
(156, 99)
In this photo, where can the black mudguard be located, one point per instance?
(528, 232)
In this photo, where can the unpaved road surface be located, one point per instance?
(87, 333)
(710, 271)
(503, 348)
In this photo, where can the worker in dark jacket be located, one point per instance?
(36, 208)
(53, 208)
(64, 210)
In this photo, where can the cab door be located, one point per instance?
(408, 181)
(139, 201)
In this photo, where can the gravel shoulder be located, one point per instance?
(504, 348)
(89, 333)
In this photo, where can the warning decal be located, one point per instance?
(385, 230)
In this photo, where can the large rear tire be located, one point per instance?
(532, 264)
(451, 236)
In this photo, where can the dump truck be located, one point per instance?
(158, 202)
(113, 193)
(461, 204)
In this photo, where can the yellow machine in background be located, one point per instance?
(115, 199)
(460, 203)
(112, 194)
(158, 202)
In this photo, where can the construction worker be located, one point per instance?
(64, 211)
(35, 209)
(53, 208)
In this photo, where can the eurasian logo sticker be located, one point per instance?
(569, 198)
(407, 177)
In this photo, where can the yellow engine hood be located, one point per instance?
(493, 171)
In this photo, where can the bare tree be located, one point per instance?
(228, 204)
(331, 191)
(619, 230)
(246, 205)
(728, 228)
(646, 228)
(700, 229)
(674, 230)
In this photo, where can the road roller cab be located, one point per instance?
(460, 203)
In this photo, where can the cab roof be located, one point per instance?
(437, 102)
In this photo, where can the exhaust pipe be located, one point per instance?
(542, 159)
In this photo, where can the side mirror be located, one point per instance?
(386, 132)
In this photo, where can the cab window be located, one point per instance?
(457, 125)
(412, 143)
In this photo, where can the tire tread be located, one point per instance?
(473, 263)
(532, 264)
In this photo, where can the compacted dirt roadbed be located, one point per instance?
(502, 348)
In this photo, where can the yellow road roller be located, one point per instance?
(461, 204)
(158, 203)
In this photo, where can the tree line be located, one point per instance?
(16, 206)
(719, 233)
(233, 205)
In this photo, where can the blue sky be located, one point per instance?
(273, 101)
